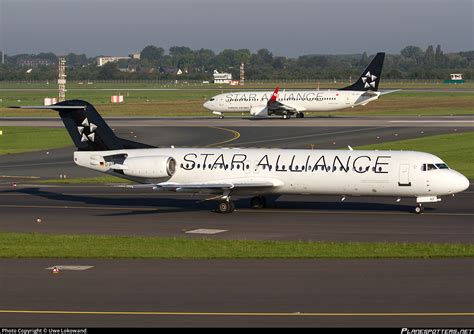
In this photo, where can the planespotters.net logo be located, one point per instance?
(437, 331)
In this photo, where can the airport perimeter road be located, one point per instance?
(214, 293)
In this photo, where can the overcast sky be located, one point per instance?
(286, 28)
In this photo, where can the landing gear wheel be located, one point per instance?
(419, 208)
(300, 115)
(226, 207)
(257, 202)
(286, 116)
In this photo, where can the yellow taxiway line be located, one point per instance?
(236, 135)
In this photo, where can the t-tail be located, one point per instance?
(87, 128)
(370, 78)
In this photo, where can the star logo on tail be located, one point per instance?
(369, 80)
(87, 130)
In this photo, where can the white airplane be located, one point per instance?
(227, 172)
(296, 102)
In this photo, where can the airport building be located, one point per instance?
(106, 59)
(224, 78)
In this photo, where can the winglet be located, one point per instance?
(274, 95)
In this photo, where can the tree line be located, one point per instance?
(155, 64)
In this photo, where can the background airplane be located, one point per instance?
(223, 172)
(297, 102)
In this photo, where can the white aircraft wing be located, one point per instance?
(216, 186)
(221, 185)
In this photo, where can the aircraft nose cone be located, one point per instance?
(460, 183)
(207, 105)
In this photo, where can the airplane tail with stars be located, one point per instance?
(370, 78)
(87, 128)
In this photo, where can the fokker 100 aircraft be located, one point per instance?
(296, 102)
(227, 172)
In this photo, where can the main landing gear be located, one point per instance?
(419, 208)
(257, 202)
(227, 206)
(300, 115)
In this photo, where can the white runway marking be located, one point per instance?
(62, 267)
(206, 231)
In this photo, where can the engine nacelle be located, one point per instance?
(259, 111)
(150, 167)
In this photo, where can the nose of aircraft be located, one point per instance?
(207, 105)
(459, 183)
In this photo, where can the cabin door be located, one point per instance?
(404, 175)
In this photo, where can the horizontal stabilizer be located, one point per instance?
(54, 107)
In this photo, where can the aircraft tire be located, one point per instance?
(257, 202)
(419, 209)
(226, 207)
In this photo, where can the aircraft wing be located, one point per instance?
(217, 186)
(221, 185)
(278, 108)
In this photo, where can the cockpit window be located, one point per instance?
(212, 99)
(426, 167)
(442, 166)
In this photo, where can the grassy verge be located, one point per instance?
(189, 103)
(35, 245)
(457, 150)
(18, 139)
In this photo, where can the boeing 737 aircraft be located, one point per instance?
(297, 102)
(227, 172)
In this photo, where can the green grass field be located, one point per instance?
(36, 245)
(142, 100)
(17, 139)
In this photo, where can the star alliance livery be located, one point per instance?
(226, 172)
(297, 102)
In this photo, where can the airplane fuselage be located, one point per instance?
(330, 172)
(301, 100)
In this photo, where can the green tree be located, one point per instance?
(109, 71)
(429, 57)
(152, 55)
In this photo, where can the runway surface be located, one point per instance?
(401, 293)
(271, 293)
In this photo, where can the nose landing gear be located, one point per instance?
(419, 208)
